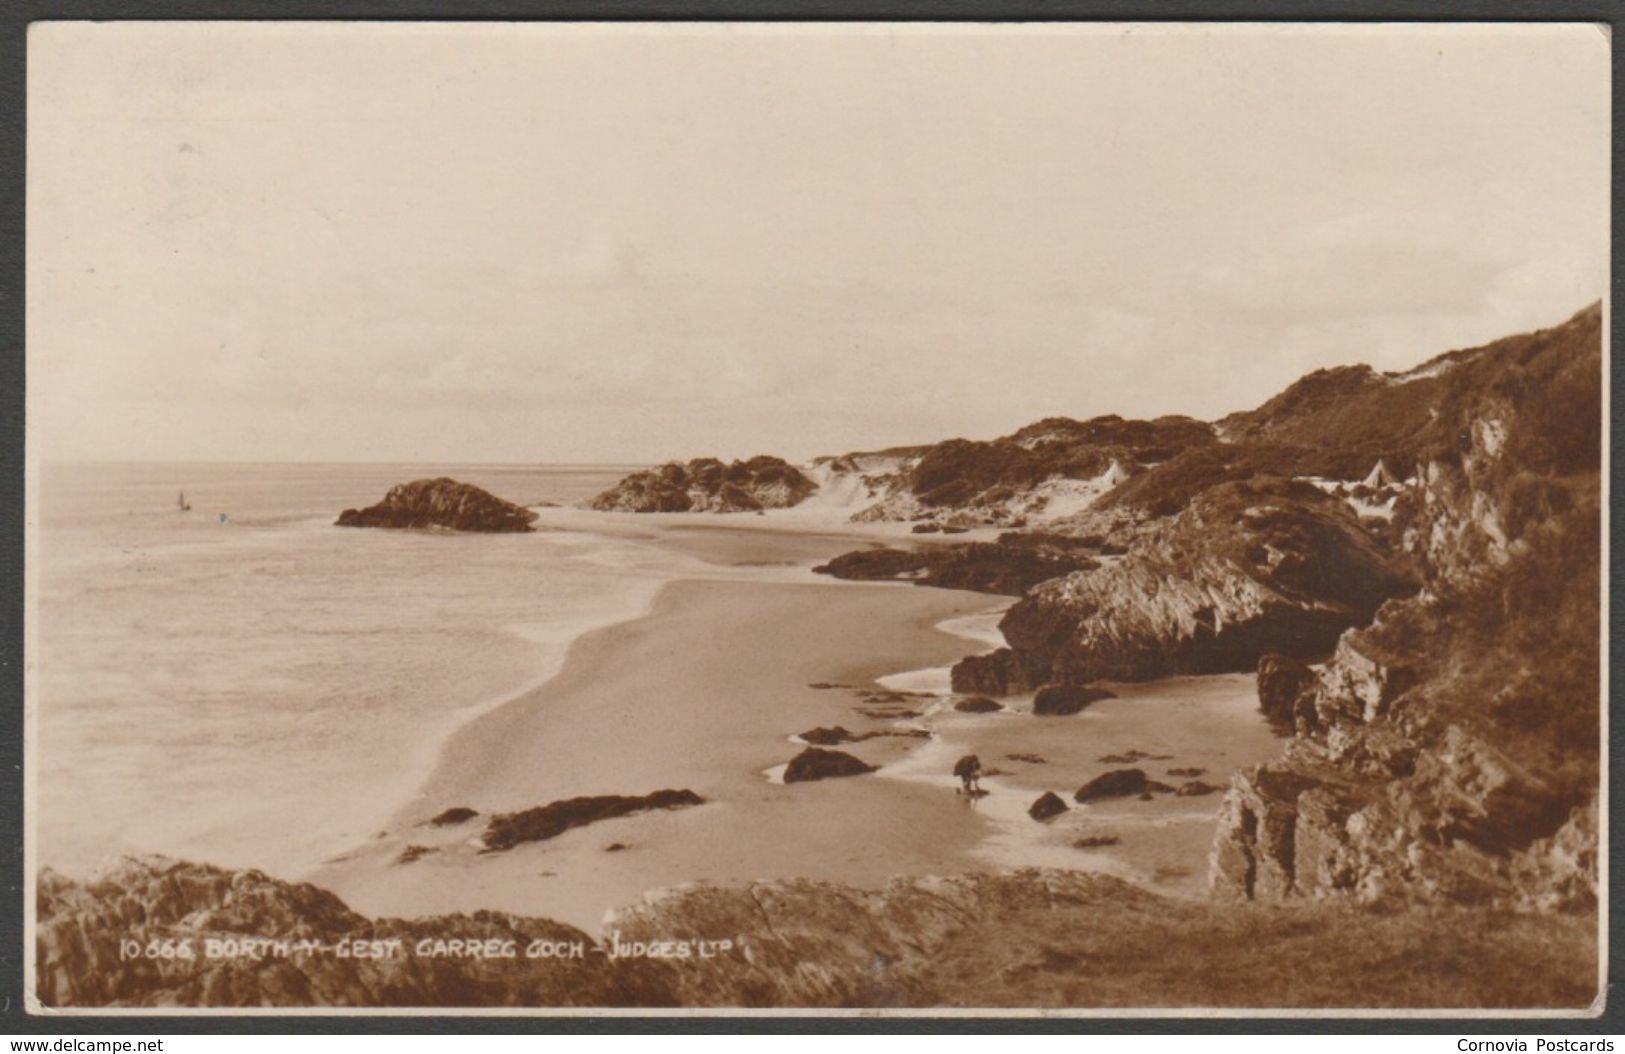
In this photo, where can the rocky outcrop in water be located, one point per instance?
(551, 820)
(1268, 565)
(709, 485)
(827, 737)
(815, 764)
(1120, 783)
(441, 503)
(1450, 751)
(1046, 807)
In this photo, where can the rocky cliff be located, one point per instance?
(161, 933)
(441, 503)
(709, 485)
(1450, 750)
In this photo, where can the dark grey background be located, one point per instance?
(14, 19)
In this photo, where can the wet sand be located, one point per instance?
(1210, 723)
(702, 694)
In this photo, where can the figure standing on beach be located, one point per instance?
(969, 771)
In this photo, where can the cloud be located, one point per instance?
(1356, 267)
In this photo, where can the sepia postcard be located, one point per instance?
(851, 518)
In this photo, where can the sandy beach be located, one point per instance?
(705, 693)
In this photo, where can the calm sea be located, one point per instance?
(266, 691)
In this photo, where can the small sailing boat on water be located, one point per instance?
(182, 503)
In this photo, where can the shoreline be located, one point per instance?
(660, 702)
(703, 681)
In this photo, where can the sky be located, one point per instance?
(624, 244)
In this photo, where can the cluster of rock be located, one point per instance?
(441, 504)
(1125, 783)
(1122, 783)
(710, 485)
(817, 762)
(837, 734)
(1248, 568)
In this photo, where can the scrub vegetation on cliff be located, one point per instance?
(1027, 939)
(1450, 751)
